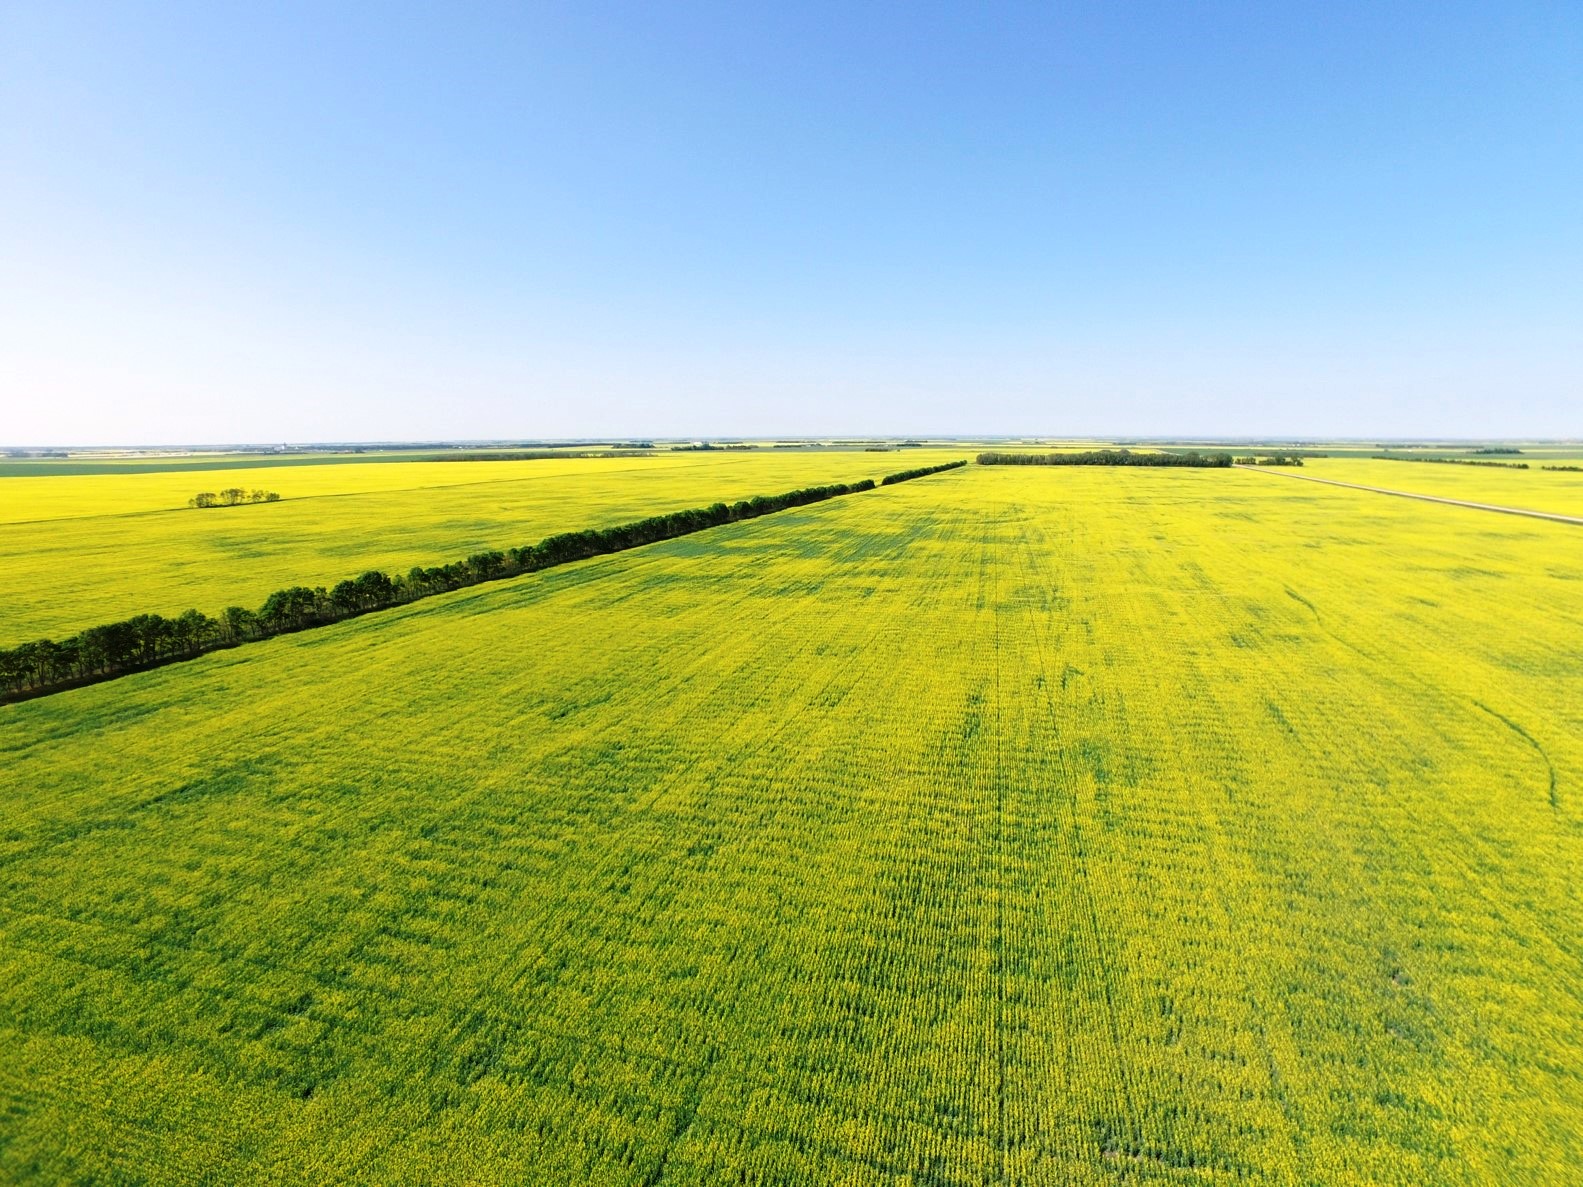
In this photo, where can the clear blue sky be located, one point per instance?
(302, 222)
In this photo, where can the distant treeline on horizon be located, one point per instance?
(1108, 457)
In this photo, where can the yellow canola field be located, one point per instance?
(1560, 492)
(149, 486)
(80, 550)
(1043, 826)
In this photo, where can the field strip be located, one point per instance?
(331, 494)
(151, 641)
(1407, 494)
(645, 463)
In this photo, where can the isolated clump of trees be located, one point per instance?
(149, 640)
(1108, 457)
(921, 472)
(232, 496)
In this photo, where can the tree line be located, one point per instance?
(1274, 459)
(1450, 461)
(150, 640)
(922, 471)
(232, 496)
(540, 455)
(1108, 457)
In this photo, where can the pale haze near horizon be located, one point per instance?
(370, 223)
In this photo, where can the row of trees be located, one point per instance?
(1274, 459)
(149, 640)
(232, 496)
(908, 475)
(1107, 457)
(541, 455)
(1451, 461)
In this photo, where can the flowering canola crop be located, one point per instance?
(1026, 825)
(77, 550)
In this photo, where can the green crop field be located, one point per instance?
(1012, 825)
(78, 550)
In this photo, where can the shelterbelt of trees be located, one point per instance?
(1454, 461)
(151, 640)
(921, 472)
(1273, 459)
(1107, 457)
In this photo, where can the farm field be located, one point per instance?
(1010, 825)
(1533, 489)
(116, 491)
(78, 550)
(126, 464)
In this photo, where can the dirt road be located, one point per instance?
(1407, 494)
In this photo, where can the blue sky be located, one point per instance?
(309, 222)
